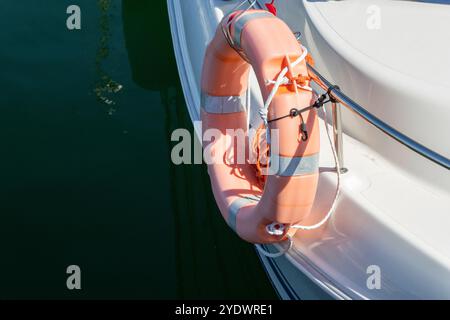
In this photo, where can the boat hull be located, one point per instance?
(393, 212)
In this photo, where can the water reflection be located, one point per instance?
(105, 86)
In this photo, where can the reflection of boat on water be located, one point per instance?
(200, 251)
(105, 87)
(139, 23)
(392, 217)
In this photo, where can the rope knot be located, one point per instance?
(302, 79)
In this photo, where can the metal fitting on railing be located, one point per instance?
(341, 98)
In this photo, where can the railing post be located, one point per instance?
(337, 133)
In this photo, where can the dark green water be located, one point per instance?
(85, 175)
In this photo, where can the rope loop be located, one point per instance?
(275, 254)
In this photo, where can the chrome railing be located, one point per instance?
(339, 97)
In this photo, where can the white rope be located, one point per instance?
(281, 79)
(287, 81)
(338, 183)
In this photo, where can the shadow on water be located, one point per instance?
(105, 87)
(86, 176)
(211, 261)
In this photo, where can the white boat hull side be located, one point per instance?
(392, 77)
(393, 212)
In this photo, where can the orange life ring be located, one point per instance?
(265, 43)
